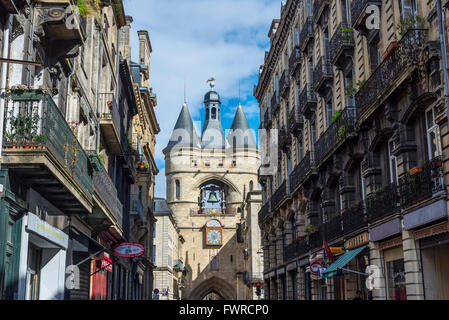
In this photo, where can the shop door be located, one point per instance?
(33, 272)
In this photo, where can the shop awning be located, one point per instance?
(338, 265)
(84, 243)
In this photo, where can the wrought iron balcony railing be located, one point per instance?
(354, 218)
(34, 122)
(300, 171)
(358, 10)
(370, 165)
(316, 239)
(275, 103)
(295, 120)
(279, 196)
(296, 249)
(110, 121)
(341, 42)
(107, 191)
(264, 213)
(383, 202)
(294, 61)
(284, 83)
(335, 134)
(425, 182)
(306, 33)
(392, 68)
(322, 74)
(307, 101)
(318, 9)
(333, 229)
(284, 139)
(137, 207)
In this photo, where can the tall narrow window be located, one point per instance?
(178, 190)
(433, 135)
(214, 113)
(329, 111)
(207, 113)
(408, 8)
(393, 163)
(251, 186)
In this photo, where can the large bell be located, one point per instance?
(212, 197)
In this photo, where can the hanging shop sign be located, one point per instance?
(315, 267)
(128, 250)
(106, 263)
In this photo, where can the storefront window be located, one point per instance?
(396, 280)
(33, 271)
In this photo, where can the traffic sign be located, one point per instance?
(156, 291)
(315, 267)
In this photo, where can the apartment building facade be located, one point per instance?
(68, 163)
(354, 91)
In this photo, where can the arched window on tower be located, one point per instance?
(214, 113)
(207, 113)
(178, 189)
(251, 186)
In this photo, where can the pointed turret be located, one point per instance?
(212, 136)
(240, 135)
(184, 133)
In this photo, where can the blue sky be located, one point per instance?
(194, 40)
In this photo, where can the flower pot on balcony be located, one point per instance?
(393, 45)
(436, 164)
(415, 170)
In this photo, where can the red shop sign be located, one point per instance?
(106, 263)
(128, 250)
(315, 267)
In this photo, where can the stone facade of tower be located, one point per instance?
(221, 169)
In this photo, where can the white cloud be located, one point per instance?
(194, 40)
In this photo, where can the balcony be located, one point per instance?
(307, 101)
(275, 104)
(322, 75)
(395, 66)
(296, 249)
(300, 171)
(316, 239)
(294, 61)
(354, 218)
(212, 212)
(335, 135)
(358, 12)
(264, 213)
(333, 229)
(58, 22)
(371, 165)
(284, 139)
(40, 147)
(137, 208)
(279, 196)
(384, 202)
(306, 34)
(110, 122)
(425, 182)
(284, 83)
(318, 9)
(295, 121)
(341, 45)
(106, 192)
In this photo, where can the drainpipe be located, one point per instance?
(100, 63)
(443, 55)
(4, 79)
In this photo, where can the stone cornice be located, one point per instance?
(276, 47)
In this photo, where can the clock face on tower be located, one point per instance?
(213, 237)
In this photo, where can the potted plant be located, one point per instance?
(310, 228)
(342, 132)
(415, 170)
(336, 116)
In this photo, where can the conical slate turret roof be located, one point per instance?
(213, 136)
(240, 135)
(184, 133)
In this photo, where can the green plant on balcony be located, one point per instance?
(310, 228)
(379, 193)
(409, 23)
(101, 157)
(82, 7)
(23, 129)
(347, 34)
(336, 116)
(342, 132)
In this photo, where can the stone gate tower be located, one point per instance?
(209, 182)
